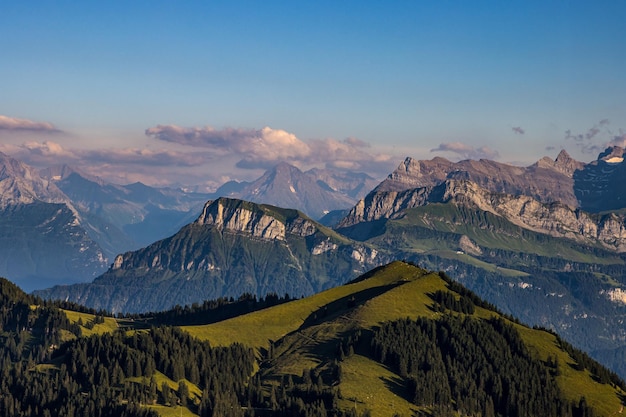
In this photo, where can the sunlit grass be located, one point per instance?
(366, 384)
(257, 328)
(573, 383)
(109, 325)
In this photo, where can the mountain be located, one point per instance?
(601, 184)
(555, 219)
(126, 217)
(233, 247)
(43, 238)
(401, 340)
(547, 181)
(355, 185)
(548, 263)
(398, 340)
(287, 186)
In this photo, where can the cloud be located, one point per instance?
(466, 151)
(594, 140)
(264, 148)
(256, 148)
(619, 140)
(47, 148)
(15, 125)
(145, 157)
(48, 153)
(518, 130)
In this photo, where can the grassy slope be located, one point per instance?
(486, 229)
(305, 340)
(109, 325)
(258, 328)
(394, 292)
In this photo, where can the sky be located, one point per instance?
(199, 93)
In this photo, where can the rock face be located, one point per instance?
(546, 181)
(554, 219)
(259, 220)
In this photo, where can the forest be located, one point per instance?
(454, 365)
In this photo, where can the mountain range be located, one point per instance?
(62, 226)
(524, 238)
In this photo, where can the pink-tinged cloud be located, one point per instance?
(466, 151)
(50, 153)
(264, 148)
(518, 130)
(146, 157)
(14, 124)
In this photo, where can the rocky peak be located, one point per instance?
(259, 220)
(563, 163)
(412, 173)
(287, 186)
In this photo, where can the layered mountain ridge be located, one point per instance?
(555, 219)
(43, 238)
(233, 247)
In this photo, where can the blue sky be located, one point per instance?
(202, 92)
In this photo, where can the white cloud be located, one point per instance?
(14, 124)
(466, 151)
(263, 148)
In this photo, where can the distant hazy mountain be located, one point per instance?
(353, 184)
(233, 247)
(126, 217)
(43, 238)
(287, 186)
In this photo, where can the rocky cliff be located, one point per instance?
(261, 221)
(555, 219)
(546, 181)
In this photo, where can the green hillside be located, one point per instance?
(557, 283)
(399, 340)
(305, 336)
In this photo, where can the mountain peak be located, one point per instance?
(287, 186)
(412, 173)
(260, 220)
(563, 163)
